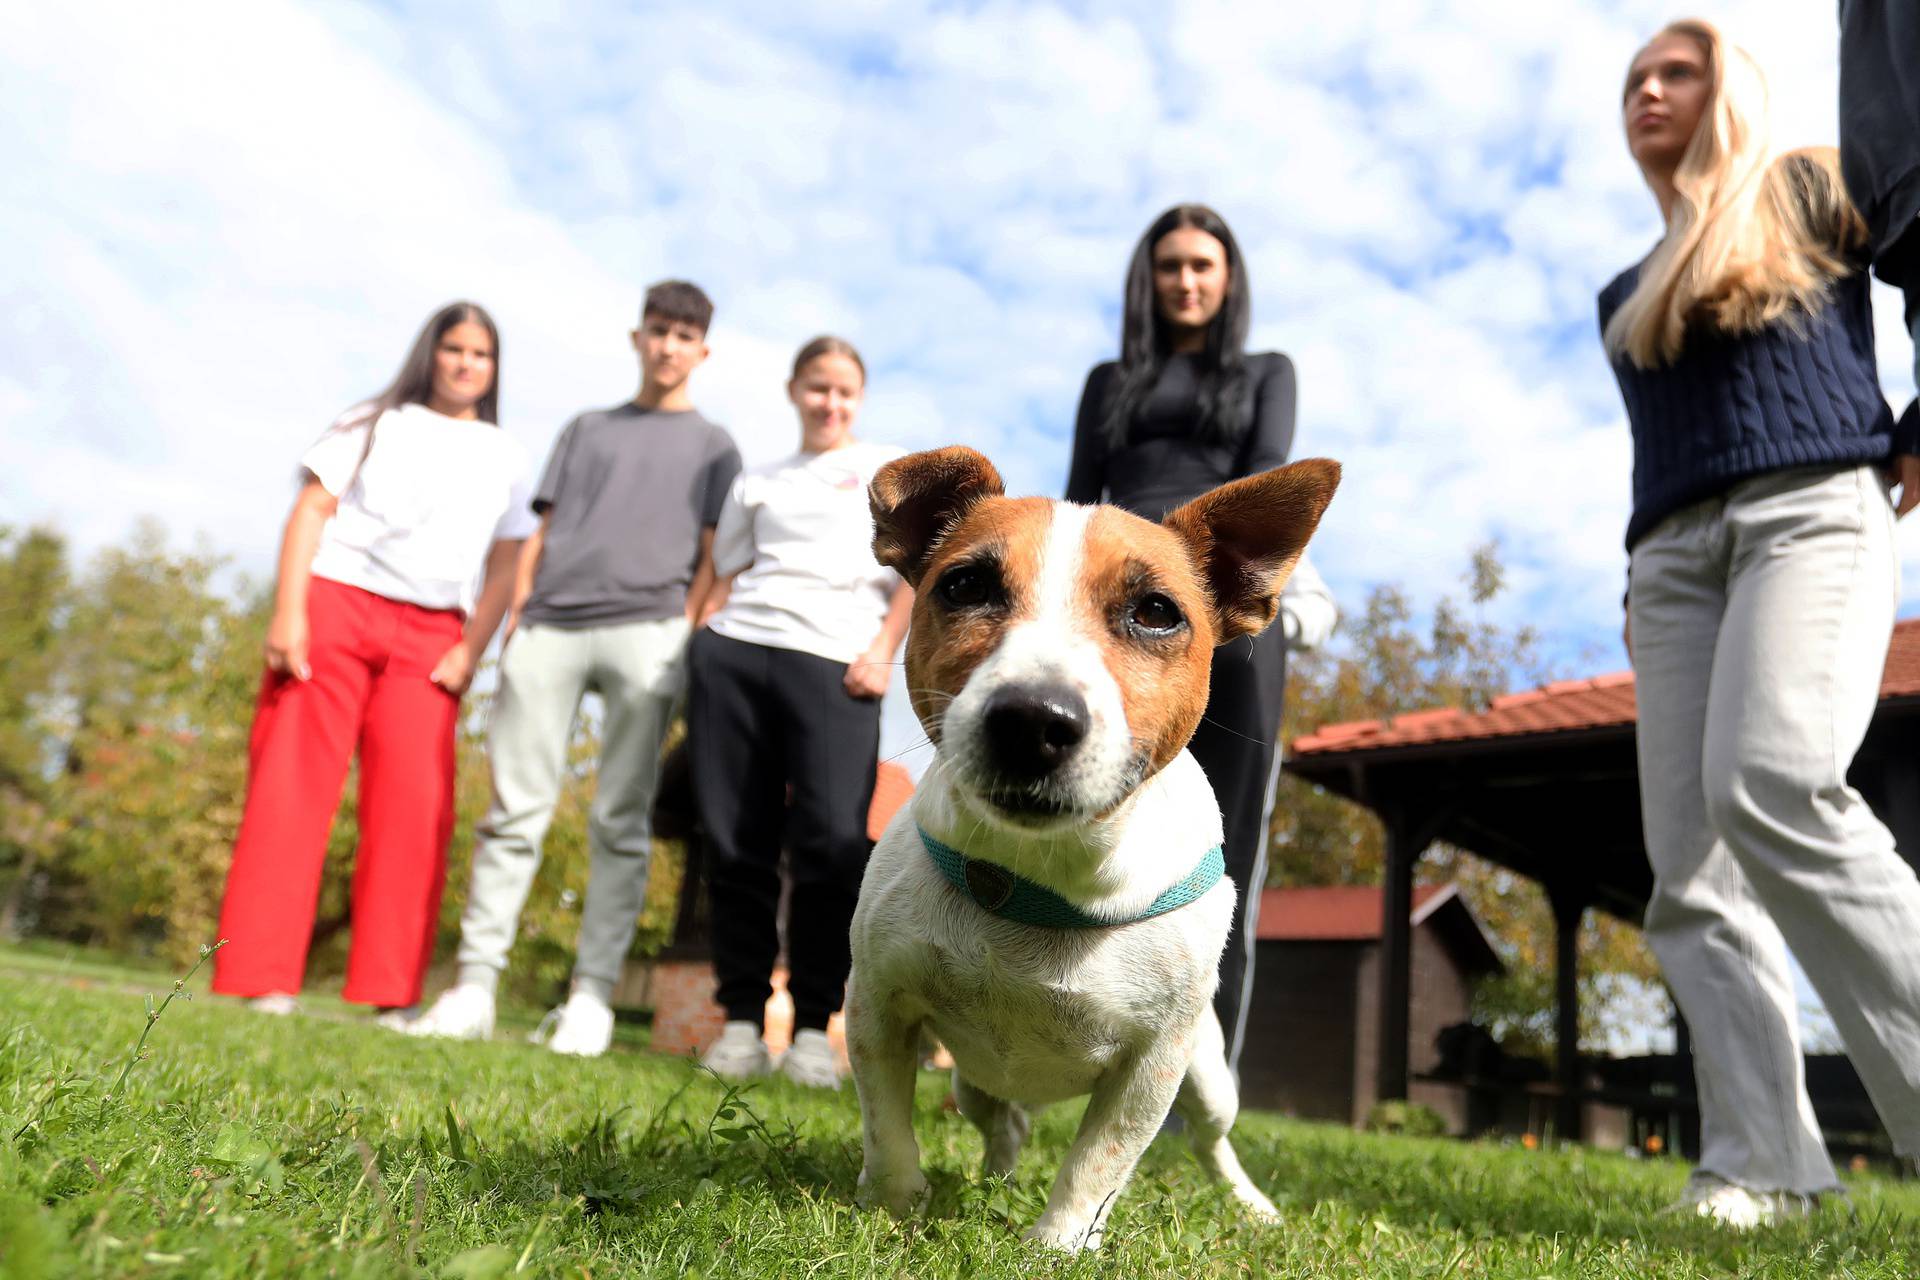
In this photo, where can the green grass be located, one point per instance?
(252, 1146)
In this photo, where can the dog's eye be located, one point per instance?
(1154, 612)
(967, 586)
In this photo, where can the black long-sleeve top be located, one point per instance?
(1164, 462)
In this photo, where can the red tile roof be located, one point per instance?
(1336, 913)
(892, 787)
(1598, 703)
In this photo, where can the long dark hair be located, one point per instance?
(1145, 342)
(414, 383)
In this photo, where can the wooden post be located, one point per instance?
(1410, 829)
(1568, 907)
(1396, 961)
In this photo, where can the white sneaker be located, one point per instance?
(581, 1028)
(463, 1012)
(739, 1053)
(399, 1018)
(810, 1061)
(277, 1003)
(1731, 1205)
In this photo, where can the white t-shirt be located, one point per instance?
(800, 536)
(414, 524)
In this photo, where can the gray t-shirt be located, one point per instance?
(629, 490)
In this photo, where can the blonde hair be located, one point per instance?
(1752, 237)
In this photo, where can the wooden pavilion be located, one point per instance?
(1545, 784)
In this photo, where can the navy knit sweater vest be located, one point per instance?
(1804, 392)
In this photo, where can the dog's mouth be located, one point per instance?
(1027, 806)
(1045, 803)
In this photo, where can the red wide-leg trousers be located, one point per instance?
(370, 657)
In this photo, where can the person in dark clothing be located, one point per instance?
(1183, 410)
(1880, 156)
(783, 717)
(1762, 589)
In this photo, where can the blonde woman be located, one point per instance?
(1763, 586)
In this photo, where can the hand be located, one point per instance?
(454, 671)
(1626, 637)
(287, 640)
(1905, 472)
(868, 675)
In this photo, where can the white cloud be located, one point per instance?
(224, 222)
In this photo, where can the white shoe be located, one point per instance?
(277, 1003)
(739, 1053)
(581, 1028)
(1731, 1205)
(810, 1061)
(463, 1012)
(399, 1019)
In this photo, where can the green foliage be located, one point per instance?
(402, 1158)
(1414, 1119)
(125, 705)
(1386, 665)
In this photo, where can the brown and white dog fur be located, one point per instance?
(1059, 661)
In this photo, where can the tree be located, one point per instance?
(126, 700)
(1387, 665)
(33, 582)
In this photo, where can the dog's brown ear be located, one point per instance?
(1247, 535)
(918, 498)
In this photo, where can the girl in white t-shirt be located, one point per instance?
(375, 635)
(783, 715)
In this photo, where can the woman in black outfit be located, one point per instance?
(1183, 410)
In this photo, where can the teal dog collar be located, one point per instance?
(1013, 897)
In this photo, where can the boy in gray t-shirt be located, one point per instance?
(607, 591)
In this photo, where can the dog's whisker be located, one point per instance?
(1258, 742)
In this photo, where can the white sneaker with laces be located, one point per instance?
(580, 1028)
(810, 1061)
(463, 1012)
(739, 1053)
(399, 1018)
(1740, 1208)
(277, 1003)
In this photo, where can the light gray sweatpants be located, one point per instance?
(1760, 627)
(638, 670)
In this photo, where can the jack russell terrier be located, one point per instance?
(1052, 904)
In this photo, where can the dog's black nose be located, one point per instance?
(1033, 729)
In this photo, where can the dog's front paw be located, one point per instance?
(1256, 1204)
(899, 1195)
(1069, 1237)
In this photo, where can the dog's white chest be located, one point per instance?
(1030, 1014)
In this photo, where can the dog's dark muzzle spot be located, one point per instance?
(1032, 730)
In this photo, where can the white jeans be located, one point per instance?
(638, 670)
(1760, 627)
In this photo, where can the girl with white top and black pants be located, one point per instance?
(375, 635)
(785, 682)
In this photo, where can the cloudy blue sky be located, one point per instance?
(225, 220)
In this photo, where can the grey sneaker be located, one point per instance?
(1739, 1208)
(580, 1028)
(277, 1003)
(810, 1061)
(463, 1012)
(399, 1018)
(739, 1053)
